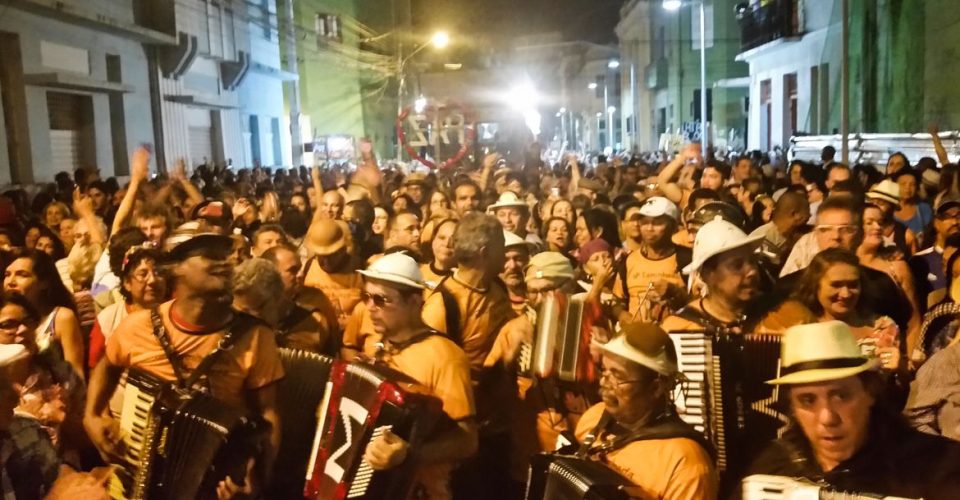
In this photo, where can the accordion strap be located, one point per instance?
(160, 332)
(235, 329)
(667, 426)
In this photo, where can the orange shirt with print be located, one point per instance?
(252, 363)
(442, 367)
(674, 468)
(641, 271)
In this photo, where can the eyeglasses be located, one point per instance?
(607, 374)
(953, 214)
(380, 301)
(843, 229)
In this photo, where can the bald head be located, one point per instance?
(331, 204)
(792, 210)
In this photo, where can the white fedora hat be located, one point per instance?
(818, 352)
(716, 237)
(885, 190)
(508, 199)
(513, 240)
(397, 268)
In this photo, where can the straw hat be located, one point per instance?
(548, 265)
(819, 352)
(507, 199)
(885, 190)
(326, 237)
(512, 240)
(645, 344)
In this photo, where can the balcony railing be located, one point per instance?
(767, 20)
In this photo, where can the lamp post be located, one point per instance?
(674, 5)
(439, 40)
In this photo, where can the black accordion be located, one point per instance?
(560, 477)
(180, 445)
(299, 395)
(362, 401)
(725, 395)
(559, 346)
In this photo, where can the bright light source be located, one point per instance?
(440, 39)
(613, 64)
(532, 119)
(612, 109)
(522, 97)
(563, 110)
(420, 104)
(452, 66)
(558, 114)
(599, 114)
(592, 85)
(672, 4)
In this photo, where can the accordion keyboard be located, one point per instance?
(361, 480)
(139, 395)
(693, 356)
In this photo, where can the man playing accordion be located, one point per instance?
(393, 293)
(635, 430)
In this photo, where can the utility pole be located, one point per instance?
(296, 141)
(845, 84)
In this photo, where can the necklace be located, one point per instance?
(472, 288)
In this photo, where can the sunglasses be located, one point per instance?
(380, 301)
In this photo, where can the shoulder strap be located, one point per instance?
(667, 427)
(451, 312)
(684, 257)
(240, 325)
(160, 332)
(297, 314)
(622, 272)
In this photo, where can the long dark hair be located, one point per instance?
(55, 293)
(809, 283)
(598, 219)
(545, 228)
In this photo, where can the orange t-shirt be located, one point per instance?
(251, 364)
(642, 271)
(442, 367)
(674, 468)
(342, 289)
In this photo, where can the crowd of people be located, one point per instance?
(850, 273)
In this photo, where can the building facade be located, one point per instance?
(83, 83)
(661, 73)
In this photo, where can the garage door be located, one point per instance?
(68, 143)
(201, 145)
(65, 150)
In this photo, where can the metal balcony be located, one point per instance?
(762, 22)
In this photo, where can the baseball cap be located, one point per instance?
(947, 201)
(658, 206)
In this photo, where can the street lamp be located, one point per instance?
(439, 40)
(592, 85)
(673, 5)
(613, 64)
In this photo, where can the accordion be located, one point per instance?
(180, 445)
(299, 395)
(725, 394)
(764, 487)
(362, 401)
(559, 477)
(559, 346)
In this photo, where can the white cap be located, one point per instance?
(397, 268)
(657, 206)
(716, 237)
(512, 240)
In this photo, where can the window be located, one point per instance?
(328, 28)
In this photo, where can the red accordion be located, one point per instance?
(362, 401)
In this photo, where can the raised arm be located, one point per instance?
(139, 171)
(318, 188)
(942, 157)
(671, 190)
(488, 162)
(83, 207)
(574, 176)
(179, 175)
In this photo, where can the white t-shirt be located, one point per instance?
(103, 277)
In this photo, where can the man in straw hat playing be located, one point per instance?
(393, 293)
(842, 433)
(635, 431)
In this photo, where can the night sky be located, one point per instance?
(592, 20)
